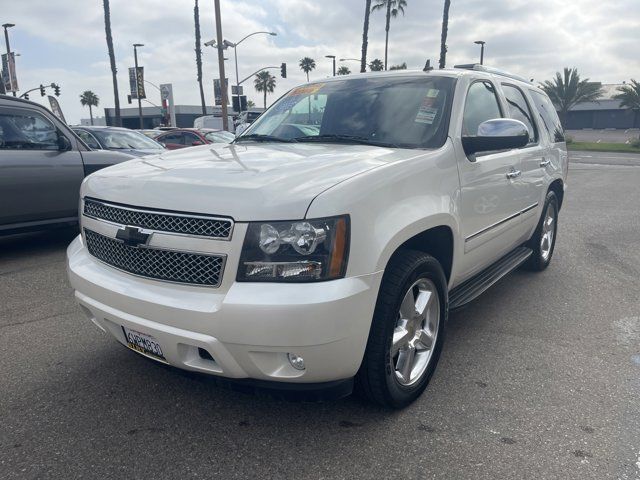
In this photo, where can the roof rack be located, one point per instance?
(496, 71)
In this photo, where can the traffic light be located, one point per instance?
(56, 89)
(283, 70)
(129, 99)
(25, 96)
(42, 90)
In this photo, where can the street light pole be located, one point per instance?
(6, 26)
(481, 43)
(333, 57)
(223, 83)
(135, 56)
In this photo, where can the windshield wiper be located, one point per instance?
(340, 138)
(258, 137)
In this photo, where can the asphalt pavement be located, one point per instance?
(539, 378)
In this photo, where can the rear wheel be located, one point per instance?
(407, 331)
(543, 240)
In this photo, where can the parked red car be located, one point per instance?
(188, 137)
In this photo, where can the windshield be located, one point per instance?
(123, 139)
(408, 112)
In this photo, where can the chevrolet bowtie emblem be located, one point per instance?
(132, 236)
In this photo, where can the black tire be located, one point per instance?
(537, 261)
(376, 380)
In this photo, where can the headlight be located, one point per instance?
(299, 251)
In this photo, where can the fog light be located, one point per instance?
(296, 361)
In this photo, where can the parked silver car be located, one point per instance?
(42, 164)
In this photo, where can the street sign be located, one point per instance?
(234, 90)
(243, 103)
(217, 91)
(9, 79)
(166, 95)
(136, 82)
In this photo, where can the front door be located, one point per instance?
(37, 181)
(490, 186)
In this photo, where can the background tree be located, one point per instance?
(443, 35)
(376, 65)
(307, 65)
(89, 99)
(629, 96)
(343, 70)
(566, 90)
(251, 104)
(196, 20)
(401, 66)
(112, 60)
(365, 36)
(392, 7)
(265, 83)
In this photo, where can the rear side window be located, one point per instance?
(481, 105)
(519, 109)
(174, 138)
(548, 116)
(26, 130)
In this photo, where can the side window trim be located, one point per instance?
(534, 123)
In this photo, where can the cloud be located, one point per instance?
(64, 42)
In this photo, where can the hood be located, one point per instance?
(244, 181)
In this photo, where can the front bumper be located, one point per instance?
(247, 328)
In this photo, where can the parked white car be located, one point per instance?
(328, 242)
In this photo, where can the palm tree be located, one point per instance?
(306, 65)
(393, 7)
(376, 65)
(343, 70)
(629, 96)
(89, 99)
(112, 60)
(196, 19)
(365, 37)
(443, 37)
(265, 83)
(565, 91)
(401, 66)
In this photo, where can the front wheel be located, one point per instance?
(543, 240)
(407, 331)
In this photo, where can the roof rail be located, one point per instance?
(496, 71)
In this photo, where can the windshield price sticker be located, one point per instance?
(427, 111)
(306, 90)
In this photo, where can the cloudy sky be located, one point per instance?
(63, 41)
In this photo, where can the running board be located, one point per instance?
(472, 288)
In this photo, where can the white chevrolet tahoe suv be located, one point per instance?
(324, 248)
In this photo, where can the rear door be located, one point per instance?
(490, 187)
(38, 181)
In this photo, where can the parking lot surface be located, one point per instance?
(539, 378)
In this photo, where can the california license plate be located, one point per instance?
(143, 343)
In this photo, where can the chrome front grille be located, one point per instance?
(157, 263)
(188, 224)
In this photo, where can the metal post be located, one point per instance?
(235, 53)
(6, 41)
(135, 56)
(225, 117)
(482, 54)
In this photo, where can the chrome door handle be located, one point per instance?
(544, 163)
(514, 174)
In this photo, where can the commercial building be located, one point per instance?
(606, 113)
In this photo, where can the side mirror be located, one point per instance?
(497, 134)
(63, 143)
(197, 142)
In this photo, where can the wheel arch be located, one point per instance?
(557, 187)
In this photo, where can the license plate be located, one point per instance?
(143, 343)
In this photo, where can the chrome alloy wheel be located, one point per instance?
(548, 231)
(416, 331)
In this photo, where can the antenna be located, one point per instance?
(427, 66)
